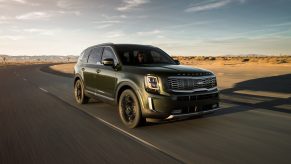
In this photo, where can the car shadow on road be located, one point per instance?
(270, 93)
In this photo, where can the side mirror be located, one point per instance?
(108, 62)
(177, 62)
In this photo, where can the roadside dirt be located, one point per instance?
(227, 74)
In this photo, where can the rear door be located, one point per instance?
(84, 62)
(91, 69)
(107, 74)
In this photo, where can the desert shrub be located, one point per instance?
(191, 57)
(254, 59)
(245, 60)
(199, 58)
(212, 58)
(281, 61)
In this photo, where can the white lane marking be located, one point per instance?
(24, 79)
(133, 136)
(43, 90)
(264, 93)
(125, 132)
(115, 127)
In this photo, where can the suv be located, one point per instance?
(144, 82)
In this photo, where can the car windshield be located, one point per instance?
(142, 55)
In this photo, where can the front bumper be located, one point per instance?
(181, 105)
(191, 114)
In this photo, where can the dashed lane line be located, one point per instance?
(43, 89)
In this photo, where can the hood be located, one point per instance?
(168, 70)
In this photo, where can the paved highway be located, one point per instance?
(41, 123)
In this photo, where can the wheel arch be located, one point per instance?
(77, 77)
(128, 85)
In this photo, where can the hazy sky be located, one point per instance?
(180, 27)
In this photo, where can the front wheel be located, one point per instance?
(79, 93)
(129, 109)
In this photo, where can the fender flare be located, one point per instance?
(135, 90)
(77, 76)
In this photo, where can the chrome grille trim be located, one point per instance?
(191, 84)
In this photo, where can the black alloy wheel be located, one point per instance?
(129, 109)
(80, 96)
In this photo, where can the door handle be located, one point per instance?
(98, 70)
(83, 69)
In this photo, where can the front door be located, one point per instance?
(107, 75)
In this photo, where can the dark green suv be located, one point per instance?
(145, 82)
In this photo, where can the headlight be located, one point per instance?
(152, 84)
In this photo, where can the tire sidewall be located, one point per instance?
(137, 109)
(82, 92)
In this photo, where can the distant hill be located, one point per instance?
(40, 59)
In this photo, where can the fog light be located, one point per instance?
(178, 111)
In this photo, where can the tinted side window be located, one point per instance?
(95, 56)
(85, 56)
(125, 58)
(81, 57)
(108, 53)
(158, 58)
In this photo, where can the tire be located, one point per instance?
(79, 93)
(129, 109)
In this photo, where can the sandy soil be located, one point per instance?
(227, 74)
(64, 68)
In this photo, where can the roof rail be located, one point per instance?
(104, 44)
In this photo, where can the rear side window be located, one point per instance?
(81, 56)
(85, 55)
(95, 56)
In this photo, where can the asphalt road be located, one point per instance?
(41, 123)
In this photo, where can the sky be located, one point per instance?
(180, 27)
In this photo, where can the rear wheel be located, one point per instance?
(79, 93)
(129, 109)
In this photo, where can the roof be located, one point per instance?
(112, 44)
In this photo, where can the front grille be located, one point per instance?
(188, 83)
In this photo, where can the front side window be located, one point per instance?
(142, 55)
(109, 54)
(95, 56)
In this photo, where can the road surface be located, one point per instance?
(41, 123)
